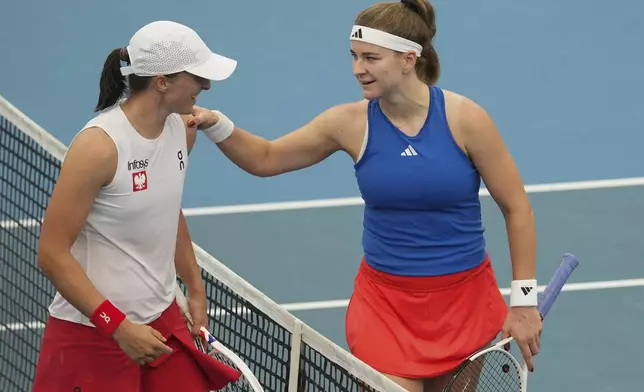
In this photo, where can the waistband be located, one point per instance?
(422, 283)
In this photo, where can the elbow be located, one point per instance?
(267, 166)
(44, 261)
(258, 170)
(521, 212)
(47, 257)
(264, 172)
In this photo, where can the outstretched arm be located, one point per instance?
(299, 149)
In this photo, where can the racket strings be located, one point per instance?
(494, 371)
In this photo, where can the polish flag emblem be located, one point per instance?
(139, 181)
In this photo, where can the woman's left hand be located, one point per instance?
(524, 325)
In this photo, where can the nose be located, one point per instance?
(206, 85)
(358, 69)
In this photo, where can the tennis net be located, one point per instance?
(284, 353)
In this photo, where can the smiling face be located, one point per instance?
(180, 91)
(379, 71)
(412, 20)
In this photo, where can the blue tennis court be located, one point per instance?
(306, 259)
(562, 79)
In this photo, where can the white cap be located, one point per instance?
(163, 47)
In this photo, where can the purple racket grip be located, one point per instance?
(552, 290)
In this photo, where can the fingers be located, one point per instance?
(534, 348)
(535, 343)
(161, 348)
(153, 353)
(195, 330)
(157, 335)
(196, 121)
(505, 333)
(524, 325)
(529, 347)
(158, 347)
(527, 355)
(144, 344)
(147, 357)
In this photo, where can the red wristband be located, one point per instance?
(107, 318)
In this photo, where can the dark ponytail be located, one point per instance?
(112, 85)
(414, 20)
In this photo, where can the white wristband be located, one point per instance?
(220, 131)
(523, 293)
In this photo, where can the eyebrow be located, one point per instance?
(365, 53)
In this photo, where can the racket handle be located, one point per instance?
(554, 287)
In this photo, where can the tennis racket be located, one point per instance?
(247, 381)
(496, 369)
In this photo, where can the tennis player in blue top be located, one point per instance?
(425, 295)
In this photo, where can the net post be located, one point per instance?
(296, 348)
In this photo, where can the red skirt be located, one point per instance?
(75, 357)
(422, 327)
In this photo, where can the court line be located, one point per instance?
(342, 303)
(583, 286)
(10, 224)
(355, 201)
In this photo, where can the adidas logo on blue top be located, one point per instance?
(409, 151)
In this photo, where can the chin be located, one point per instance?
(370, 95)
(185, 110)
(371, 92)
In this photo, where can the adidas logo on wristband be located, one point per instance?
(523, 293)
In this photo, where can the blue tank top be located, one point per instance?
(422, 212)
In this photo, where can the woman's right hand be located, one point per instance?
(140, 342)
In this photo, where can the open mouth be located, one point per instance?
(367, 83)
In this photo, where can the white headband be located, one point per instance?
(384, 39)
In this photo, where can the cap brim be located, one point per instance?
(217, 68)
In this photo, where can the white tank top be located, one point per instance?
(128, 243)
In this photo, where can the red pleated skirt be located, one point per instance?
(75, 357)
(422, 327)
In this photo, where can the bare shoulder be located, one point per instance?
(93, 143)
(464, 111)
(92, 152)
(345, 125)
(349, 111)
(471, 125)
(346, 118)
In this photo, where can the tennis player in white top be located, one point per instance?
(114, 238)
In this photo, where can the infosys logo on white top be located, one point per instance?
(137, 164)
